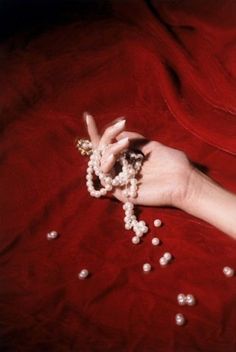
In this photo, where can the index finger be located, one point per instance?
(92, 129)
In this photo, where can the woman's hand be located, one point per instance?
(165, 174)
(167, 177)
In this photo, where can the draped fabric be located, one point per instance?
(169, 68)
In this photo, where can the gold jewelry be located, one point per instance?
(84, 146)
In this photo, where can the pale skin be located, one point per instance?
(167, 177)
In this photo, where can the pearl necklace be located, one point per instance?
(130, 163)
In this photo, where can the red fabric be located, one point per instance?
(168, 67)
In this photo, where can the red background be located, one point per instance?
(169, 67)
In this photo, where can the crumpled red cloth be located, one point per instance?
(169, 68)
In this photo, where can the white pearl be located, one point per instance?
(129, 212)
(155, 241)
(179, 319)
(103, 192)
(142, 223)
(108, 187)
(52, 235)
(163, 261)
(125, 193)
(135, 240)
(128, 226)
(127, 219)
(157, 223)
(147, 267)
(83, 274)
(139, 234)
(229, 272)
(167, 256)
(190, 300)
(145, 229)
(181, 298)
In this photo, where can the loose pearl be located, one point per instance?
(52, 235)
(83, 274)
(181, 299)
(147, 267)
(163, 261)
(229, 272)
(135, 240)
(190, 300)
(157, 223)
(155, 241)
(167, 256)
(179, 319)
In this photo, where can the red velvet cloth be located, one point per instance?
(169, 67)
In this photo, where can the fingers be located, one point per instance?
(130, 135)
(92, 129)
(109, 157)
(137, 141)
(111, 132)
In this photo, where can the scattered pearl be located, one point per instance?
(181, 298)
(83, 274)
(167, 256)
(180, 319)
(163, 261)
(229, 272)
(52, 235)
(147, 267)
(157, 223)
(155, 241)
(190, 300)
(135, 240)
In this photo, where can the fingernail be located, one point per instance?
(123, 140)
(120, 124)
(86, 116)
(110, 158)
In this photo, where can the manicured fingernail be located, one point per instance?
(86, 117)
(120, 124)
(110, 158)
(123, 140)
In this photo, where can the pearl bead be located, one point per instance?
(108, 187)
(52, 235)
(179, 319)
(190, 300)
(155, 241)
(229, 272)
(157, 223)
(167, 256)
(139, 233)
(147, 267)
(163, 261)
(181, 299)
(83, 274)
(135, 240)
(128, 226)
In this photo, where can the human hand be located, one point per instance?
(165, 174)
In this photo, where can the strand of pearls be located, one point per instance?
(130, 163)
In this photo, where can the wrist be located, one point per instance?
(195, 191)
(208, 201)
